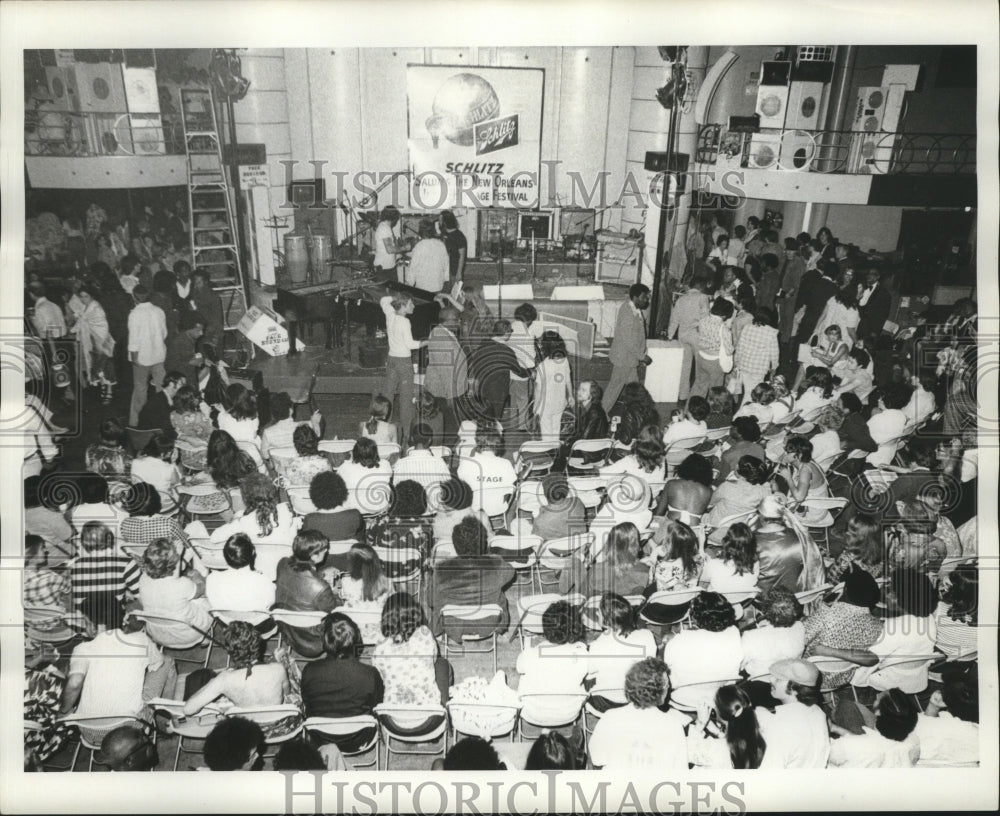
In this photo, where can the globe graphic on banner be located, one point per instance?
(462, 101)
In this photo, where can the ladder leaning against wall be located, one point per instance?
(211, 220)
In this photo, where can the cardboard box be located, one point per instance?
(261, 327)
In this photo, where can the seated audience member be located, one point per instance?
(735, 740)
(340, 685)
(163, 590)
(562, 514)
(816, 393)
(646, 463)
(892, 743)
(129, 748)
(619, 572)
(806, 481)
(407, 658)
(908, 629)
(117, 673)
(247, 682)
(367, 478)
(742, 494)
(472, 578)
(241, 420)
(377, 427)
(744, 440)
(421, 466)
(589, 419)
(456, 504)
(333, 517)
(241, 588)
(635, 410)
(853, 431)
(308, 460)
(301, 588)
(948, 729)
(736, 568)
(491, 477)
(109, 457)
(686, 496)
(854, 372)
(226, 464)
(922, 401)
(471, 754)
(235, 744)
(405, 525)
(691, 425)
(797, 731)
(678, 563)
(551, 752)
(101, 576)
(43, 518)
(364, 587)
(888, 422)
(826, 442)
(912, 540)
(760, 405)
(783, 639)
(863, 548)
(789, 558)
(157, 411)
(48, 588)
(721, 408)
(301, 755)
(146, 522)
(640, 734)
(92, 502)
(957, 613)
(619, 646)
(558, 663)
(280, 433)
(265, 520)
(155, 466)
(701, 660)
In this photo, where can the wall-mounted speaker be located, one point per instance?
(775, 73)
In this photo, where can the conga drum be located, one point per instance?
(322, 254)
(297, 258)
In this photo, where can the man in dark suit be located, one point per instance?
(491, 364)
(156, 412)
(816, 288)
(628, 348)
(874, 302)
(340, 685)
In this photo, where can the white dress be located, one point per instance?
(552, 383)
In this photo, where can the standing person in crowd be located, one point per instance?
(182, 347)
(628, 348)
(147, 337)
(491, 364)
(97, 346)
(208, 304)
(447, 373)
(525, 331)
(793, 269)
(757, 351)
(456, 244)
(553, 385)
(874, 303)
(685, 315)
(429, 262)
(399, 366)
(816, 289)
(841, 310)
(715, 340)
(770, 283)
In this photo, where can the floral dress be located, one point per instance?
(351, 592)
(44, 735)
(407, 669)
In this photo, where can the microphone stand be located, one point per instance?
(500, 237)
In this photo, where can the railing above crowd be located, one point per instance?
(838, 151)
(77, 135)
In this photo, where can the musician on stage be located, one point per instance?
(389, 245)
(428, 269)
(457, 244)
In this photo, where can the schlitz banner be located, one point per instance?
(474, 135)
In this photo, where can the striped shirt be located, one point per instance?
(112, 572)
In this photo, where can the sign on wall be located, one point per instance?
(474, 135)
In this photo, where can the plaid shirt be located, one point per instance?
(44, 587)
(757, 350)
(145, 529)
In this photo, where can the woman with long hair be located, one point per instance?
(308, 461)
(957, 614)
(226, 464)
(619, 572)
(364, 587)
(730, 739)
(187, 418)
(677, 563)
(614, 651)
(553, 385)
(807, 480)
(241, 421)
(407, 658)
(635, 410)
(737, 568)
(646, 463)
(377, 426)
(367, 477)
(863, 547)
(97, 346)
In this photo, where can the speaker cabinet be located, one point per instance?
(876, 119)
(798, 149)
(143, 98)
(765, 151)
(803, 105)
(101, 87)
(109, 134)
(772, 105)
(63, 88)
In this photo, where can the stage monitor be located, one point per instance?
(537, 225)
(310, 193)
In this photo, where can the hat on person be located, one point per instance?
(798, 671)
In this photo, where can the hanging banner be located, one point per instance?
(474, 135)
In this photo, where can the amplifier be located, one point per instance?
(658, 161)
(248, 378)
(744, 124)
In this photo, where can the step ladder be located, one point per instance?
(211, 220)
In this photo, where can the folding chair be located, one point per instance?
(557, 554)
(536, 458)
(192, 455)
(344, 727)
(388, 451)
(403, 566)
(252, 616)
(547, 711)
(441, 451)
(195, 728)
(914, 662)
(295, 619)
(530, 609)
(482, 720)
(678, 601)
(251, 449)
(521, 553)
(138, 438)
(780, 426)
(811, 595)
(831, 666)
(280, 458)
(197, 637)
(340, 449)
(588, 454)
(680, 450)
(412, 725)
(298, 499)
(365, 620)
(833, 506)
(267, 716)
(203, 502)
(466, 615)
(94, 729)
(47, 624)
(693, 693)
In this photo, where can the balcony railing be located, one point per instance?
(838, 151)
(68, 134)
